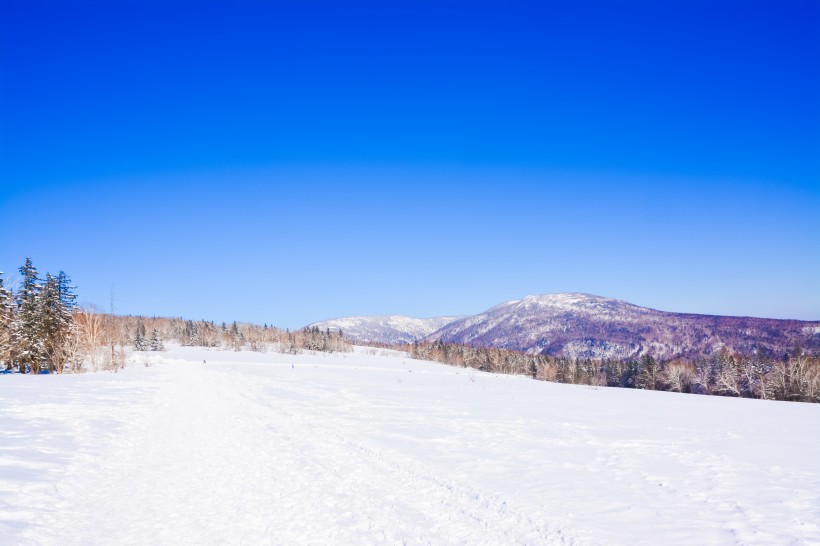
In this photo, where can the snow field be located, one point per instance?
(365, 448)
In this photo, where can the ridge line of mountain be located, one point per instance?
(585, 325)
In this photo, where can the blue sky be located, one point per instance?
(291, 162)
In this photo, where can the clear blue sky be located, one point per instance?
(291, 162)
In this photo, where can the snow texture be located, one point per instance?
(371, 447)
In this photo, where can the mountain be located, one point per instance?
(581, 325)
(389, 329)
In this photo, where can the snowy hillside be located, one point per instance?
(390, 329)
(371, 447)
(581, 325)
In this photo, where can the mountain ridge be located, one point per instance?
(581, 325)
(584, 325)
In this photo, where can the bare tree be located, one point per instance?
(90, 328)
(727, 377)
(679, 376)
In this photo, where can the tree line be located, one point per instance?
(37, 330)
(236, 335)
(793, 376)
(43, 330)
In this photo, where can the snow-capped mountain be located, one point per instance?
(389, 329)
(581, 325)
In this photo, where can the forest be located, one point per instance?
(793, 376)
(43, 330)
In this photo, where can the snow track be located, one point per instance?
(379, 449)
(216, 461)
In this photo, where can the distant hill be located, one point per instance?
(581, 325)
(391, 329)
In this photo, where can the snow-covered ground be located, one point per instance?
(253, 448)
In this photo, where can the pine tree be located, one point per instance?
(156, 342)
(6, 318)
(649, 374)
(190, 334)
(53, 326)
(42, 330)
(56, 317)
(68, 309)
(26, 328)
(140, 343)
(237, 339)
(68, 303)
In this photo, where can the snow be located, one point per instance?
(375, 448)
(392, 329)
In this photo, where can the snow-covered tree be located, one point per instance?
(6, 318)
(140, 342)
(53, 323)
(68, 303)
(190, 335)
(650, 374)
(58, 330)
(156, 341)
(27, 328)
(37, 328)
(237, 340)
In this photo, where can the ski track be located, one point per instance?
(213, 460)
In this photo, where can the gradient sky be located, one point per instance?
(292, 162)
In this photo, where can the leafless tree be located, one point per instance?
(679, 376)
(90, 326)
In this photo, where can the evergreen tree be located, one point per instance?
(236, 337)
(27, 328)
(190, 334)
(156, 341)
(649, 376)
(67, 296)
(140, 343)
(68, 303)
(56, 309)
(6, 318)
(42, 333)
(53, 323)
